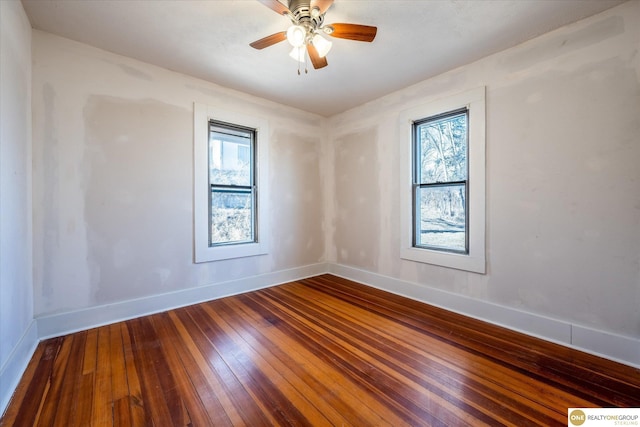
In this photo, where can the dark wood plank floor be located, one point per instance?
(320, 351)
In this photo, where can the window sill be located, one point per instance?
(445, 259)
(229, 252)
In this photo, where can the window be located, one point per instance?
(231, 179)
(443, 182)
(440, 182)
(230, 183)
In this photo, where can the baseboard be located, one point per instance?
(606, 344)
(79, 320)
(14, 367)
(614, 347)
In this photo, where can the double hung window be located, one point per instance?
(231, 154)
(443, 182)
(440, 182)
(232, 210)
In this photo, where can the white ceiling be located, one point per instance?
(210, 40)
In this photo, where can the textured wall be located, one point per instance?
(16, 288)
(357, 198)
(563, 181)
(563, 185)
(113, 192)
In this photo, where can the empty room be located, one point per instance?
(324, 212)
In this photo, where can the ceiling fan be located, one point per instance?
(305, 33)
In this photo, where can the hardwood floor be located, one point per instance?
(319, 351)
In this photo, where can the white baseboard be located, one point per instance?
(65, 323)
(606, 344)
(16, 364)
(615, 347)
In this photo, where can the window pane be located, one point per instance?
(231, 217)
(229, 159)
(442, 149)
(441, 217)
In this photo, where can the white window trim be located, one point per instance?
(474, 261)
(202, 251)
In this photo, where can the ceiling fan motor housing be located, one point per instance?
(301, 11)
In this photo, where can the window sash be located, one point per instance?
(417, 217)
(416, 143)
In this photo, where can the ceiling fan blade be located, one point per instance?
(322, 5)
(315, 58)
(361, 33)
(269, 40)
(276, 6)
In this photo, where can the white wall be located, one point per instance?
(563, 178)
(112, 180)
(17, 333)
(113, 192)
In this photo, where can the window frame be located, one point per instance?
(474, 102)
(203, 252)
(250, 189)
(418, 184)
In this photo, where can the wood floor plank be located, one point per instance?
(90, 352)
(83, 398)
(69, 392)
(314, 352)
(56, 387)
(134, 396)
(121, 412)
(119, 382)
(102, 405)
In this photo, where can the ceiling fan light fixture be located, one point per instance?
(296, 35)
(322, 45)
(298, 53)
